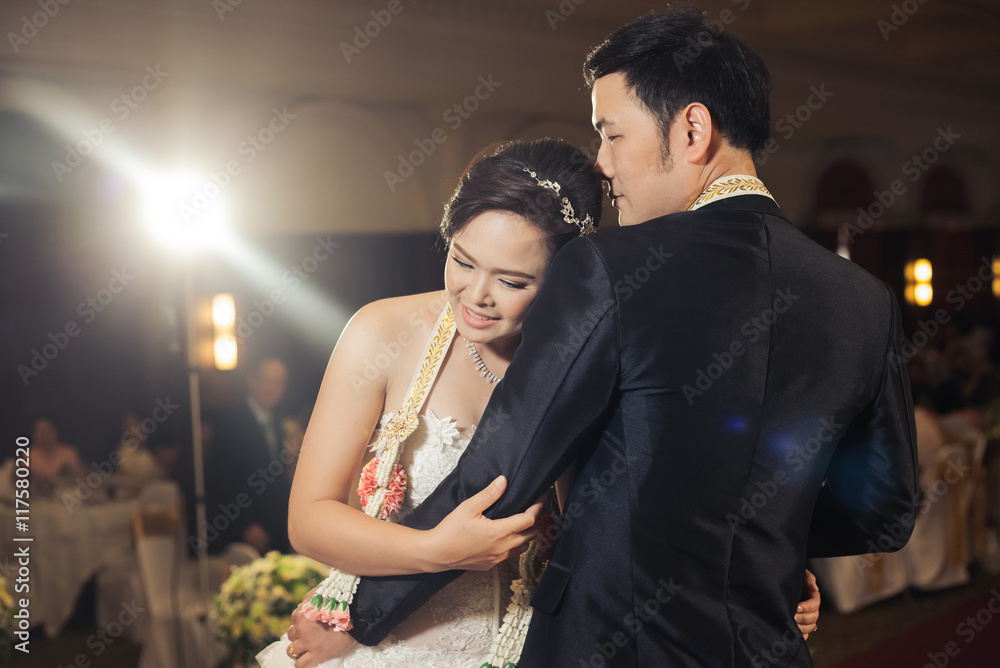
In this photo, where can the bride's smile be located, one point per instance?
(496, 264)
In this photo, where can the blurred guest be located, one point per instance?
(929, 443)
(50, 459)
(245, 480)
(971, 370)
(136, 460)
(295, 431)
(971, 381)
(921, 387)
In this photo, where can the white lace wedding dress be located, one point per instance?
(456, 627)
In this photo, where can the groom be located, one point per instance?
(721, 387)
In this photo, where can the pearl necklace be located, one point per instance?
(480, 365)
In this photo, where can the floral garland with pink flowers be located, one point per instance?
(383, 480)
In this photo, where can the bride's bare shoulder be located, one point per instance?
(397, 319)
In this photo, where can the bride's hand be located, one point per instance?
(466, 540)
(315, 642)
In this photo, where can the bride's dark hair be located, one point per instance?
(496, 181)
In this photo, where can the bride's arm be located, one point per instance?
(320, 523)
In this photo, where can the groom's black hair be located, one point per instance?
(678, 56)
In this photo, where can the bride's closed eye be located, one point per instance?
(506, 283)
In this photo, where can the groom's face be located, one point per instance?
(633, 156)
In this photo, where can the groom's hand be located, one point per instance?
(466, 540)
(315, 642)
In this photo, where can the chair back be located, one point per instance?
(159, 541)
(239, 554)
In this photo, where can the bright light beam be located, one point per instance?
(180, 216)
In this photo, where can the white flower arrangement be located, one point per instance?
(255, 604)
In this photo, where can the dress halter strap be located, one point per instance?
(434, 353)
(383, 480)
(406, 420)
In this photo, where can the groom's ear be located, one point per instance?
(696, 132)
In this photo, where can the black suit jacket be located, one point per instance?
(244, 482)
(726, 391)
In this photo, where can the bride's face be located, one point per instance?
(496, 264)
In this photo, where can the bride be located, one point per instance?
(512, 210)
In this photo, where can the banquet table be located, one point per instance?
(70, 544)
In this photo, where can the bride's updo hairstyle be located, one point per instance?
(497, 181)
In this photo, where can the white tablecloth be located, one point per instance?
(68, 549)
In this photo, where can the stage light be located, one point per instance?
(924, 294)
(224, 320)
(918, 274)
(225, 353)
(184, 210)
(223, 311)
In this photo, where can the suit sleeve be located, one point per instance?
(868, 503)
(560, 381)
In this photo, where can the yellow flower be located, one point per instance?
(254, 604)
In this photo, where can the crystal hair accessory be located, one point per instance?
(569, 215)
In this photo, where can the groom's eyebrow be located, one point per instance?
(603, 123)
(509, 272)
